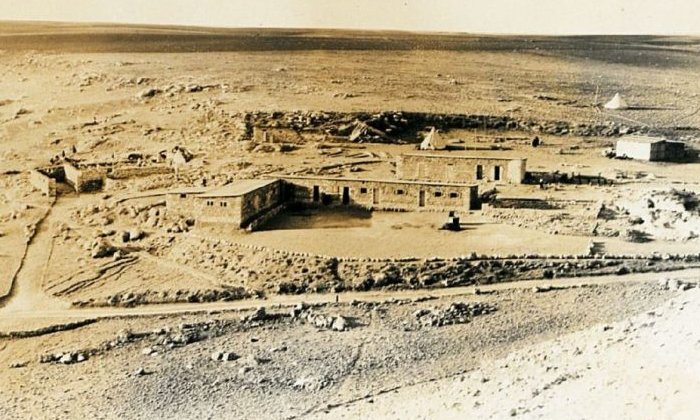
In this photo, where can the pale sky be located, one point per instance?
(477, 16)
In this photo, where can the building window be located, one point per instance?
(438, 193)
(223, 204)
(454, 195)
(210, 203)
(363, 190)
(496, 173)
(183, 195)
(399, 192)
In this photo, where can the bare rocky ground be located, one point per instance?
(283, 363)
(643, 366)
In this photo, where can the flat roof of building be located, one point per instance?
(384, 181)
(188, 190)
(646, 139)
(238, 188)
(453, 155)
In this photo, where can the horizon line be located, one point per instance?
(329, 28)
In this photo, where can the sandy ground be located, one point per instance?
(392, 235)
(647, 362)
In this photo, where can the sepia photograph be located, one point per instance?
(349, 209)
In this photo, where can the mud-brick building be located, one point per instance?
(651, 149)
(249, 203)
(459, 168)
(86, 177)
(237, 204)
(401, 195)
(45, 179)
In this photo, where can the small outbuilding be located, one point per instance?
(237, 204)
(651, 149)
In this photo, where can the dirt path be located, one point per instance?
(26, 293)
(25, 309)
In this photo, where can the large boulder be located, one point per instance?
(101, 248)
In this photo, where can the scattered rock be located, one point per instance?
(339, 323)
(101, 248)
(456, 313)
(66, 358)
(148, 93)
(311, 383)
(224, 356)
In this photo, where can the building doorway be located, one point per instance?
(421, 198)
(496, 173)
(317, 194)
(346, 196)
(375, 196)
(479, 172)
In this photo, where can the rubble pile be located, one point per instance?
(307, 314)
(393, 126)
(66, 358)
(677, 284)
(169, 90)
(186, 334)
(456, 313)
(168, 338)
(557, 222)
(669, 214)
(178, 296)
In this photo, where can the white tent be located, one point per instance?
(616, 103)
(433, 141)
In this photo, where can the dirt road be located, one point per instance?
(25, 309)
(26, 292)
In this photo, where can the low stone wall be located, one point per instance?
(282, 271)
(47, 330)
(122, 172)
(535, 203)
(566, 178)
